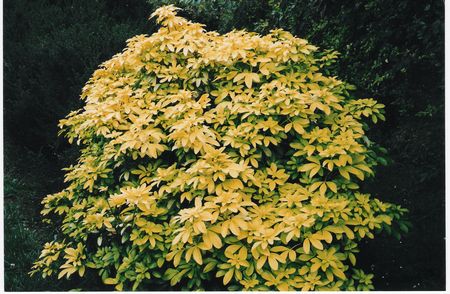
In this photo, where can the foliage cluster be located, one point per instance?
(51, 49)
(204, 155)
(392, 50)
(27, 175)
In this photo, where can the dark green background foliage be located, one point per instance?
(391, 50)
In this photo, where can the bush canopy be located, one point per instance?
(206, 156)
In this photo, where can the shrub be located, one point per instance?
(205, 155)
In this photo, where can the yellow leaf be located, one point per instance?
(323, 188)
(215, 239)
(197, 255)
(316, 243)
(314, 171)
(287, 127)
(81, 271)
(242, 253)
(315, 267)
(209, 266)
(349, 232)
(207, 241)
(344, 173)
(335, 229)
(327, 236)
(228, 276)
(231, 250)
(248, 81)
(303, 270)
(329, 275)
(261, 261)
(307, 167)
(298, 128)
(160, 262)
(273, 263)
(338, 273)
(306, 246)
(292, 255)
(189, 254)
(352, 258)
(283, 287)
(119, 287)
(332, 186)
(314, 186)
(177, 258)
(356, 172)
(110, 281)
(364, 168)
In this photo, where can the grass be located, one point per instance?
(28, 177)
(23, 237)
(22, 246)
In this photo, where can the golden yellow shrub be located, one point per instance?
(207, 155)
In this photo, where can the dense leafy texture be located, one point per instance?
(392, 50)
(204, 155)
